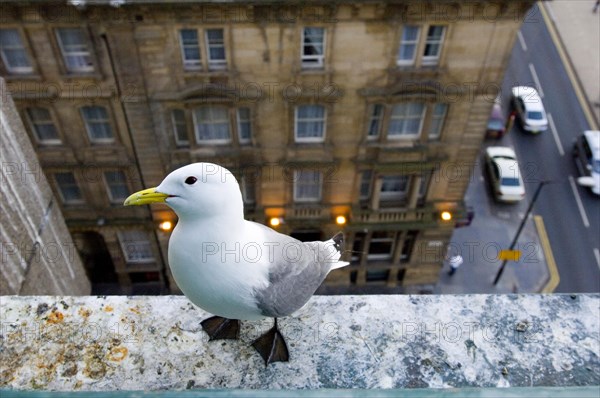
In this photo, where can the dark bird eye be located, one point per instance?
(191, 180)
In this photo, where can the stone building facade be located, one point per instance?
(37, 254)
(374, 111)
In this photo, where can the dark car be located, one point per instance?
(495, 126)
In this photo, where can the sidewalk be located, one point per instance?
(579, 31)
(493, 229)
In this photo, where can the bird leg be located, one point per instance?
(271, 346)
(219, 328)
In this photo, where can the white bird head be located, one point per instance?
(195, 191)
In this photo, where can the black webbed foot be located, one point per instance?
(271, 346)
(219, 328)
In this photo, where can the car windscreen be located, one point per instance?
(535, 115)
(510, 182)
(596, 166)
(495, 125)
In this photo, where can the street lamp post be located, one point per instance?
(514, 242)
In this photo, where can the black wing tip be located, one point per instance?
(339, 241)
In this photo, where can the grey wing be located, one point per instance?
(292, 281)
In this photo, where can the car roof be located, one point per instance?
(500, 151)
(530, 97)
(593, 139)
(507, 167)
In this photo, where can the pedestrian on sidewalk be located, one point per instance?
(455, 262)
(595, 9)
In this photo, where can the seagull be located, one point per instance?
(234, 268)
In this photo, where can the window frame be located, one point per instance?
(174, 124)
(305, 60)
(19, 70)
(219, 141)
(402, 135)
(126, 253)
(65, 54)
(391, 238)
(323, 121)
(415, 43)
(33, 125)
(433, 60)
(378, 119)
(319, 183)
(109, 192)
(239, 121)
(187, 65)
(59, 188)
(215, 64)
(441, 119)
(108, 122)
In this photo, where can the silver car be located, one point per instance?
(530, 109)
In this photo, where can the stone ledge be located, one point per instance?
(156, 343)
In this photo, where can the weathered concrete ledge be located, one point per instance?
(156, 343)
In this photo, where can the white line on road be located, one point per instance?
(584, 217)
(536, 80)
(555, 135)
(597, 254)
(522, 41)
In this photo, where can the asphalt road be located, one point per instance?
(571, 213)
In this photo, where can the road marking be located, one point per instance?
(546, 9)
(597, 254)
(555, 134)
(522, 41)
(536, 80)
(547, 249)
(584, 217)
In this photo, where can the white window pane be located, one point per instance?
(406, 120)
(313, 47)
(394, 187)
(97, 123)
(307, 185)
(136, 246)
(68, 188)
(216, 49)
(75, 50)
(408, 45)
(375, 121)
(13, 52)
(179, 126)
(43, 126)
(433, 44)
(117, 186)
(212, 124)
(190, 48)
(437, 121)
(244, 125)
(310, 123)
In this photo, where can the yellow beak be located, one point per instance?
(145, 197)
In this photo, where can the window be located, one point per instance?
(43, 126)
(313, 47)
(97, 124)
(378, 275)
(358, 246)
(244, 125)
(116, 185)
(406, 120)
(437, 121)
(75, 50)
(375, 120)
(190, 49)
(13, 52)
(365, 184)
(381, 246)
(307, 185)
(180, 127)
(212, 125)
(215, 45)
(433, 45)
(136, 246)
(68, 188)
(408, 245)
(423, 188)
(310, 123)
(408, 45)
(394, 188)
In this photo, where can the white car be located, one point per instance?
(586, 152)
(530, 109)
(504, 173)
